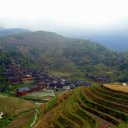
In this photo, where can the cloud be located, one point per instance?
(48, 14)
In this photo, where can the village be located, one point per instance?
(37, 81)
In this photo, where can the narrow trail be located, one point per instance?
(35, 118)
(1, 115)
(53, 93)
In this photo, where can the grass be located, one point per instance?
(105, 102)
(12, 107)
(50, 104)
(42, 96)
(13, 87)
(110, 92)
(108, 97)
(83, 107)
(117, 87)
(103, 107)
(65, 111)
(60, 73)
(22, 120)
(97, 110)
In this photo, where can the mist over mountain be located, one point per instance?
(64, 64)
(4, 31)
(54, 50)
(118, 43)
(79, 59)
(114, 40)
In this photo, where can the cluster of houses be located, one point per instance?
(16, 74)
(101, 79)
(39, 79)
(25, 90)
(54, 84)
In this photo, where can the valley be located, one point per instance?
(50, 81)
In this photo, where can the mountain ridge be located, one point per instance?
(54, 52)
(11, 31)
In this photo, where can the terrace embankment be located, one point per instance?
(117, 87)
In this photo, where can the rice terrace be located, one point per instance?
(46, 94)
(67, 67)
(117, 87)
(86, 107)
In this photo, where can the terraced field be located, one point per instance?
(17, 113)
(86, 107)
(117, 87)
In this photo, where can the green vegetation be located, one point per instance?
(41, 96)
(84, 107)
(63, 56)
(13, 109)
(50, 104)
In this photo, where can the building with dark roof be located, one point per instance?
(25, 90)
(22, 91)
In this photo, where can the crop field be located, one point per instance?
(95, 106)
(15, 109)
(85, 107)
(117, 87)
(41, 95)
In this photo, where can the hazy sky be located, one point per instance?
(58, 15)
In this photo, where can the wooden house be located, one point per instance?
(14, 80)
(26, 78)
(22, 91)
(42, 85)
(25, 90)
(34, 88)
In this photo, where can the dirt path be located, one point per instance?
(35, 118)
(1, 115)
(53, 93)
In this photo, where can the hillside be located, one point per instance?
(115, 41)
(4, 32)
(57, 51)
(85, 107)
(39, 47)
(15, 111)
(81, 60)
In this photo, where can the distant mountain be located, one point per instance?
(36, 49)
(113, 40)
(55, 51)
(118, 43)
(4, 32)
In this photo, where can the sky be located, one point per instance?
(93, 16)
